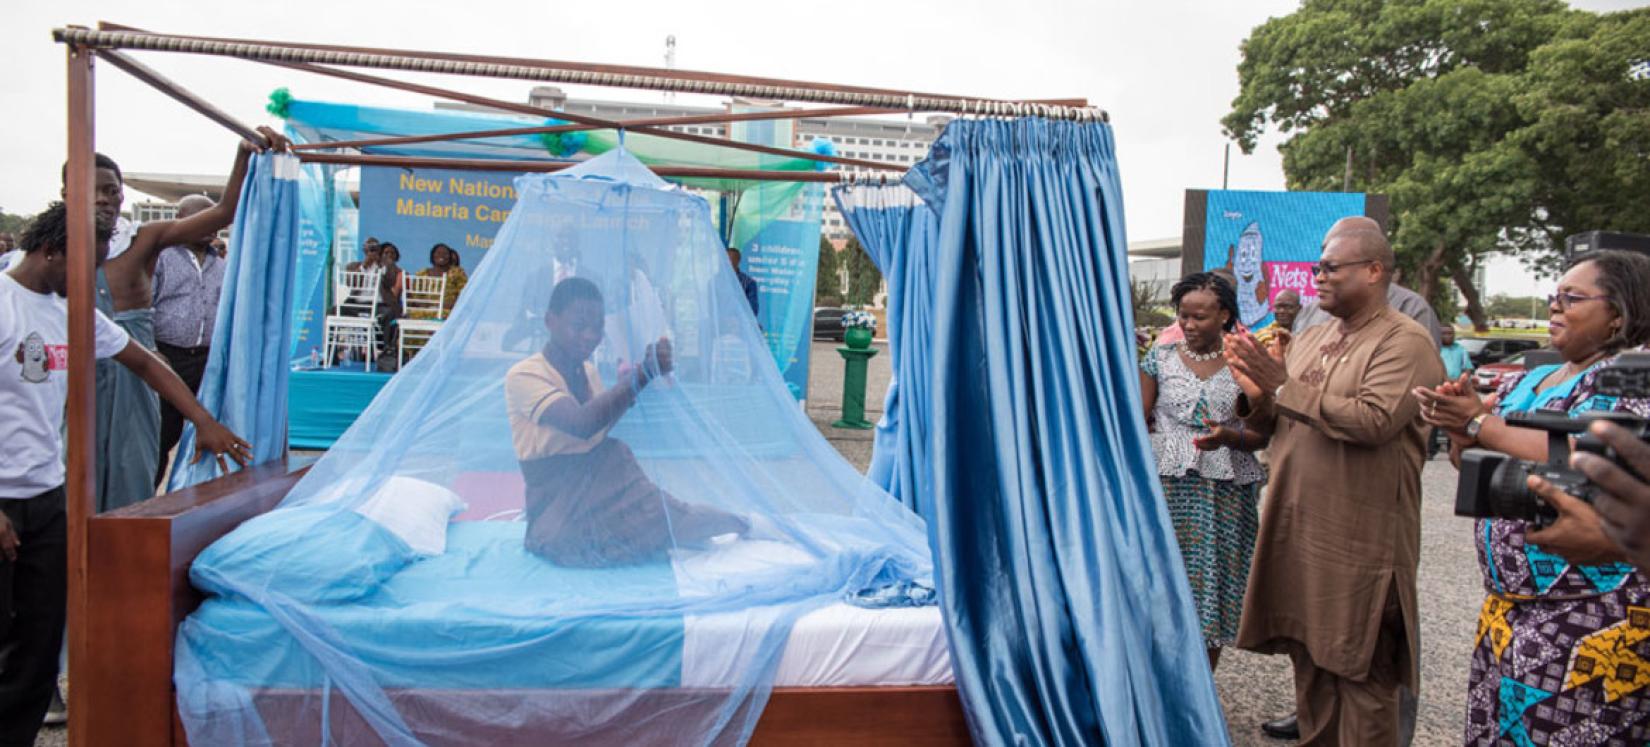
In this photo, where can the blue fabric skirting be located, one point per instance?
(321, 405)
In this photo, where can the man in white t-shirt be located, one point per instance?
(34, 362)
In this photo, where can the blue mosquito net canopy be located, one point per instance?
(594, 450)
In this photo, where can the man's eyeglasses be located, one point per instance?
(1564, 299)
(1330, 268)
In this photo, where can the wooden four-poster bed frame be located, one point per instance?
(129, 569)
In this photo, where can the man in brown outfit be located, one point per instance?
(1333, 577)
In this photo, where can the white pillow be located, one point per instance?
(415, 510)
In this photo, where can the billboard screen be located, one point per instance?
(1268, 240)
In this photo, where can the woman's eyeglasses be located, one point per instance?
(1564, 299)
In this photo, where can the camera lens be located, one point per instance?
(1509, 493)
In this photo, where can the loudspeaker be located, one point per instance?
(1592, 241)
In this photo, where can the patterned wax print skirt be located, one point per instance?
(1561, 672)
(1215, 522)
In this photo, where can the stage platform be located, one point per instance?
(322, 403)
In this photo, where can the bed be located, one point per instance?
(848, 674)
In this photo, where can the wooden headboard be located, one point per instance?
(139, 591)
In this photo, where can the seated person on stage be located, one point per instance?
(588, 502)
(443, 262)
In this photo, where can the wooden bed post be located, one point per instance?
(80, 185)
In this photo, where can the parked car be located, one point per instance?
(1486, 350)
(1488, 378)
(828, 323)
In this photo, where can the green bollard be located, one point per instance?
(855, 361)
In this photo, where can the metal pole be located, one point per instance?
(578, 118)
(810, 91)
(1346, 181)
(79, 183)
(201, 106)
(852, 111)
(1226, 168)
(487, 164)
(541, 70)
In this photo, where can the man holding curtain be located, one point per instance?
(1333, 582)
(128, 412)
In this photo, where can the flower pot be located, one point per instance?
(858, 338)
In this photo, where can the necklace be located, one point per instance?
(1204, 357)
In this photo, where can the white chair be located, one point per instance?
(420, 296)
(353, 323)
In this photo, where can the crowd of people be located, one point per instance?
(157, 288)
(1332, 409)
(1254, 432)
(382, 260)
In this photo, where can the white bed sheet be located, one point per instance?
(835, 646)
(838, 645)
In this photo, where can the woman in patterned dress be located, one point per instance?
(444, 261)
(1211, 479)
(1563, 648)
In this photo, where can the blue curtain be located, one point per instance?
(245, 385)
(898, 232)
(1070, 617)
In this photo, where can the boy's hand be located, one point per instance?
(272, 141)
(661, 354)
(221, 442)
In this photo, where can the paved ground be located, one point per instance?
(1253, 688)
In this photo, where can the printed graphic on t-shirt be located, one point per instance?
(39, 359)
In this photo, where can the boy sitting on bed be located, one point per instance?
(588, 502)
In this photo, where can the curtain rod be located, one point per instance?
(262, 51)
(486, 164)
(671, 73)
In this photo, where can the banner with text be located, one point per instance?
(1270, 240)
(415, 209)
(783, 259)
(315, 242)
(783, 254)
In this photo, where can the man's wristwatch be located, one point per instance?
(1476, 424)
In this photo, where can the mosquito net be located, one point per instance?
(588, 511)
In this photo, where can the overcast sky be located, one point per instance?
(1165, 69)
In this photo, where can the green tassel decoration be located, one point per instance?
(280, 100)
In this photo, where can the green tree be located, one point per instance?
(1515, 307)
(1461, 112)
(1146, 311)
(13, 224)
(827, 282)
(1587, 129)
(864, 280)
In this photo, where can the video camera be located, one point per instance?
(1494, 484)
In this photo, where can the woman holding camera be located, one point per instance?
(1205, 460)
(1563, 652)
